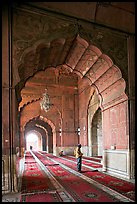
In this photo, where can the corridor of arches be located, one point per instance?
(66, 80)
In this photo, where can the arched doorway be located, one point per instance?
(96, 134)
(34, 140)
(38, 126)
(95, 138)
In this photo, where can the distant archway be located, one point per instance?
(33, 141)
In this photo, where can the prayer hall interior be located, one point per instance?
(68, 78)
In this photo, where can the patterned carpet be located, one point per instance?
(62, 174)
(123, 187)
(37, 185)
(35, 180)
(81, 190)
(51, 196)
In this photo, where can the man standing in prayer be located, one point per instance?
(78, 155)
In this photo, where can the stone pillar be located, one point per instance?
(8, 108)
(6, 150)
(131, 83)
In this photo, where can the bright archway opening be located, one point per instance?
(33, 141)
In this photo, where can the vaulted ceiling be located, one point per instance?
(78, 58)
(42, 40)
(72, 48)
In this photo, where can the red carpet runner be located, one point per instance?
(42, 197)
(80, 190)
(37, 186)
(125, 188)
(35, 183)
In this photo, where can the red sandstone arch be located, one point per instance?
(35, 106)
(41, 118)
(87, 61)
